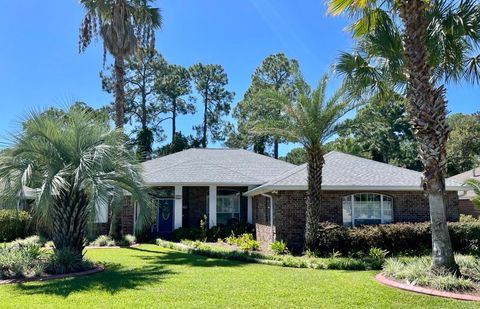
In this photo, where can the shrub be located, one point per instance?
(245, 242)
(103, 241)
(417, 271)
(127, 240)
(21, 260)
(279, 247)
(398, 238)
(187, 233)
(214, 233)
(32, 241)
(67, 261)
(14, 224)
(468, 218)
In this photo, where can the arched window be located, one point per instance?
(367, 208)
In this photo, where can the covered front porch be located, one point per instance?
(185, 206)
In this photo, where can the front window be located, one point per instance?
(367, 208)
(228, 206)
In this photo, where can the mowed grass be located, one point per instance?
(151, 277)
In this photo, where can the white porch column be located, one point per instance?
(249, 207)
(178, 207)
(212, 206)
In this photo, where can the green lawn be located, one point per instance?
(152, 277)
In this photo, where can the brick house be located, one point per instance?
(226, 185)
(465, 204)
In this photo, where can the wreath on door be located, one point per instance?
(165, 212)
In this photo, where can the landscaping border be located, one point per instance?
(97, 269)
(422, 290)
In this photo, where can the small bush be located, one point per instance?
(245, 242)
(21, 260)
(103, 241)
(279, 247)
(187, 233)
(127, 240)
(67, 261)
(14, 224)
(468, 219)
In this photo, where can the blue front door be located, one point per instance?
(164, 217)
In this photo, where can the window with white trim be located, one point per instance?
(367, 208)
(228, 206)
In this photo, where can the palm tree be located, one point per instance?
(124, 26)
(310, 119)
(76, 162)
(475, 184)
(426, 104)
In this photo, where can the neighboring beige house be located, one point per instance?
(465, 204)
(229, 185)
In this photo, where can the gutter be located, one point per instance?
(272, 234)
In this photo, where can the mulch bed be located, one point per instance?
(96, 269)
(424, 290)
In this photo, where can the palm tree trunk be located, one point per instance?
(70, 221)
(427, 111)
(119, 92)
(315, 167)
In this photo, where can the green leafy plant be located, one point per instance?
(103, 241)
(279, 247)
(66, 261)
(14, 224)
(127, 240)
(417, 271)
(377, 253)
(20, 260)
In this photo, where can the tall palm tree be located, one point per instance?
(76, 162)
(426, 104)
(310, 119)
(123, 25)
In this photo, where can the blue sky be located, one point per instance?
(41, 67)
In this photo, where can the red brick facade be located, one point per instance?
(466, 207)
(289, 212)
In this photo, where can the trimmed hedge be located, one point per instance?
(397, 238)
(14, 224)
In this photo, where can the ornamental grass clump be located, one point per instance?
(418, 271)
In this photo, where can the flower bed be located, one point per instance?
(31, 258)
(416, 272)
(229, 252)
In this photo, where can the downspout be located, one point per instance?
(272, 235)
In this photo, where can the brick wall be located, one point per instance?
(466, 207)
(289, 212)
(127, 215)
(261, 217)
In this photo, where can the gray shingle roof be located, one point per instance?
(343, 171)
(471, 174)
(213, 166)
